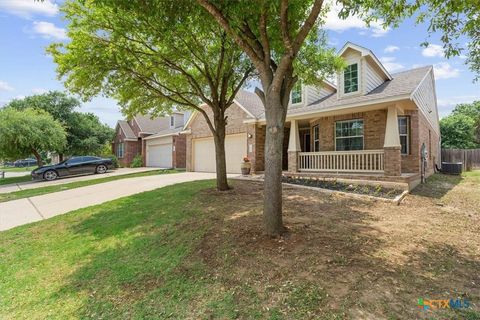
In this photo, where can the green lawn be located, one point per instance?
(77, 184)
(14, 169)
(189, 252)
(12, 180)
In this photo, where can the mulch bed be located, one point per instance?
(363, 189)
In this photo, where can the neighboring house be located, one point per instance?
(370, 126)
(156, 140)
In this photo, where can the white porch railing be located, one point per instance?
(341, 161)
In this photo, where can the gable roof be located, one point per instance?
(165, 133)
(365, 52)
(149, 125)
(402, 86)
(127, 130)
(250, 102)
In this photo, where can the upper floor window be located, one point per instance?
(350, 78)
(296, 95)
(404, 130)
(349, 135)
(172, 122)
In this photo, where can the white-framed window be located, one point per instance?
(120, 150)
(316, 138)
(349, 135)
(404, 130)
(350, 78)
(172, 122)
(296, 94)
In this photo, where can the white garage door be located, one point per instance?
(204, 153)
(159, 155)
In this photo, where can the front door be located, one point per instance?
(305, 139)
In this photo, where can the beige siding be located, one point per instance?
(350, 57)
(425, 98)
(373, 78)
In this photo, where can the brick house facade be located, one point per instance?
(136, 136)
(373, 129)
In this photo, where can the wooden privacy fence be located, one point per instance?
(469, 157)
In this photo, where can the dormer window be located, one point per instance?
(172, 122)
(296, 95)
(350, 78)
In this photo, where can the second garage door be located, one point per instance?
(159, 155)
(204, 153)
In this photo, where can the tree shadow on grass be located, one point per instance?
(206, 256)
(437, 185)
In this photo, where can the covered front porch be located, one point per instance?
(363, 144)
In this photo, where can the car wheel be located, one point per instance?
(101, 168)
(50, 175)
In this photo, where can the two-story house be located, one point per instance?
(157, 140)
(370, 125)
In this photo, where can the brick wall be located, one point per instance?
(132, 148)
(428, 136)
(200, 129)
(411, 162)
(179, 155)
(374, 123)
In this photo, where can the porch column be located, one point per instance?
(391, 147)
(293, 147)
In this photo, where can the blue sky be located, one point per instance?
(27, 27)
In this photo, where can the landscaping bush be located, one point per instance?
(114, 161)
(137, 162)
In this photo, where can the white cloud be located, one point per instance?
(391, 49)
(5, 86)
(391, 64)
(333, 22)
(433, 50)
(39, 90)
(48, 30)
(445, 105)
(28, 8)
(444, 70)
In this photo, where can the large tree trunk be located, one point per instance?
(272, 208)
(38, 157)
(220, 159)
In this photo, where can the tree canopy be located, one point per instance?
(153, 57)
(30, 131)
(461, 129)
(85, 133)
(457, 21)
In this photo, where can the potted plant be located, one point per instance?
(246, 166)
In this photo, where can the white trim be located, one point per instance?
(243, 108)
(302, 96)
(192, 116)
(161, 136)
(350, 120)
(407, 134)
(365, 52)
(338, 108)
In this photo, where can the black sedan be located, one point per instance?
(73, 166)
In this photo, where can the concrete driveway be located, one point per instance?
(18, 212)
(38, 184)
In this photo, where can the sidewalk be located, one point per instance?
(18, 212)
(38, 184)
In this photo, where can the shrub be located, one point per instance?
(114, 161)
(137, 162)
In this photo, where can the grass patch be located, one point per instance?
(17, 169)
(77, 184)
(12, 180)
(190, 252)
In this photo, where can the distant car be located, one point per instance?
(73, 166)
(25, 162)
